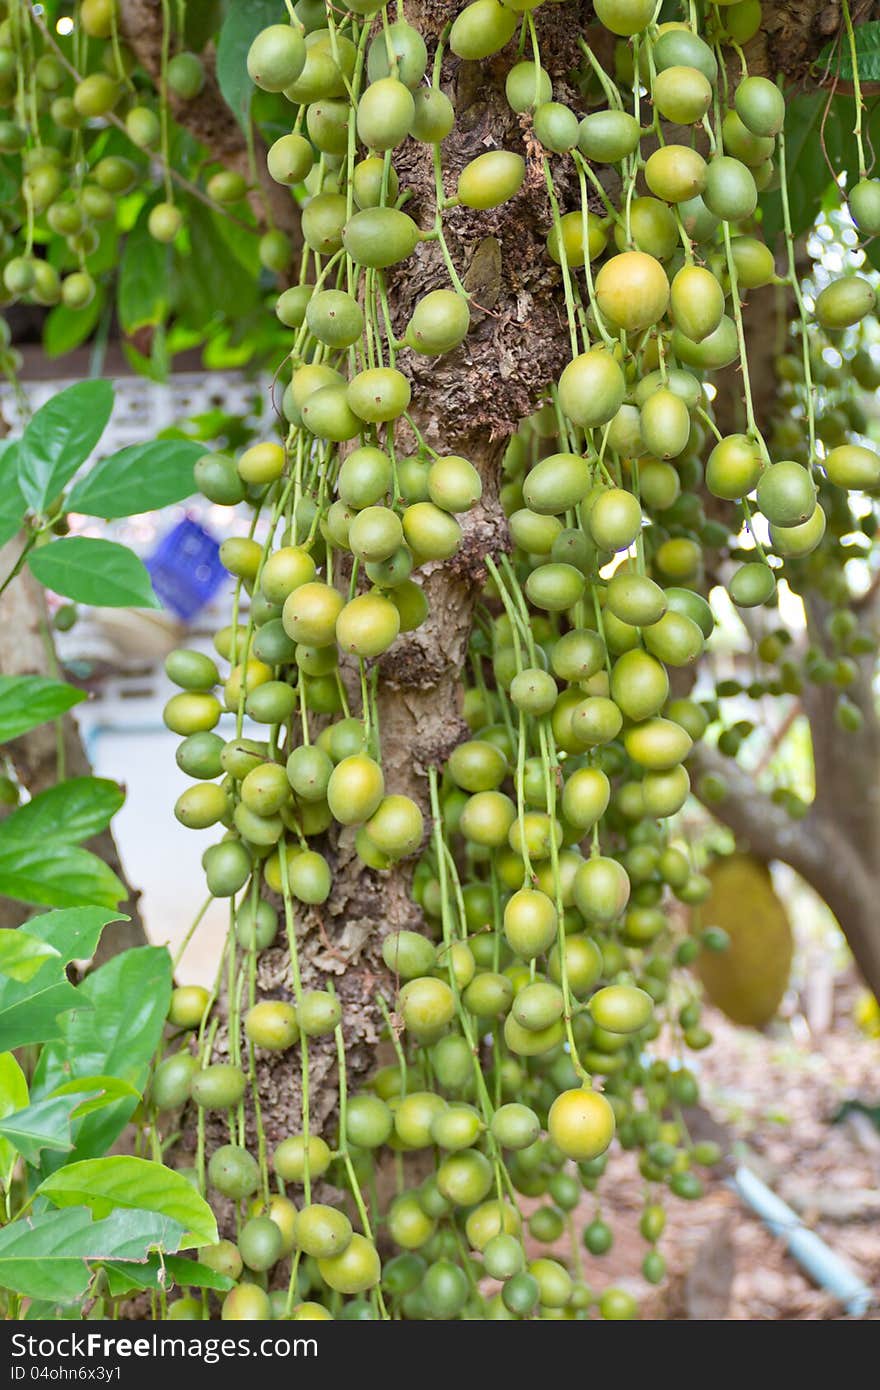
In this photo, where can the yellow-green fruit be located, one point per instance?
(581, 1124)
(591, 388)
(632, 291)
(845, 302)
(748, 980)
(697, 301)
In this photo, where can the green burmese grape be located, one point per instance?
(760, 106)
(334, 318)
(751, 585)
(607, 137)
(488, 995)
(639, 685)
(696, 302)
(439, 323)
(556, 484)
(185, 75)
(172, 1081)
(538, 1005)
(322, 1231)
(674, 639)
(534, 691)
(199, 755)
(408, 954)
(845, 302)
(864, 206)
(682, 95)
(202, 806)
(327, 126)
(577, 655)
(786, 494)
(396, 827)
(226, 186)
(583, 964)
(733, 467)
(621, 1008)
(256, 925)
(276, 57)
(635, 599)
(481, 29)
(95, 95)
(730, 191)
(427, 1005)
(410, 56)
(853, 466)
(515, 1126)
(289, 159)
(217, 478)
(384, 114)
(477, 766)
(365, 477)
(271, 703)
(555, 587)
(754, 263)
(664, 793)
(375, 533)
(454, 485)
(379, 237)
(601, 889)
(465, 1178)
(665, 424)
(591, 388)
(433, 115)
(653, 227)
(533, 532)
(624, 17)
(681, 47)
(378, 394)
(798, 541)
(585, 797)
(615, 519)
(323, 220)
(717, 350)
(676, 173)
(530, 923)
(491, 179)
(739, 141)
(310, 878)
(556, 126)
(191, 669)
(329, 61)
(657, 744)
(233, 1171)
(367, 182)
(308, 771)
(432, 533)
(527, 86)
(219, 1086)
(318, 1013)
(227, 868)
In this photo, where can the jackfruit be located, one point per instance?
(748, 980)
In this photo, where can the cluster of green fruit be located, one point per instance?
(550, 957)
(81, 129)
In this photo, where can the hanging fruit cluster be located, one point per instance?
(547, 866)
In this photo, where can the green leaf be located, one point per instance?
(114, 1034)
(43, 1125)
(143, 289)
(243, 22)
(27, 701)
(74, 932)
(59, 437)
(29, 1015)
(836, 57)
(22, 955)
(46, 1256)
(53, 875)
(98, 572)
(65, 329)
(141, 478)
(65, 814)
(104, 1090)
(104, 1184)
(13, 1096)
(161, 1272)
(12, 503)
(212, 274)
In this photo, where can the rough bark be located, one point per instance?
(26, 650)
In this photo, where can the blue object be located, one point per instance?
(821, 1263)
(185, 569)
